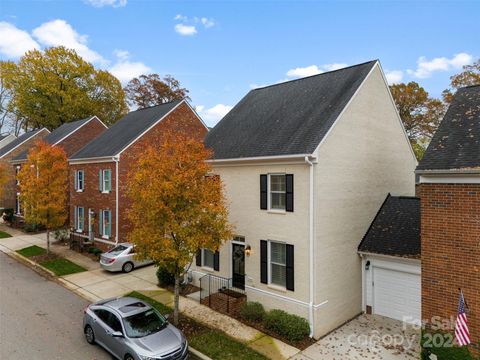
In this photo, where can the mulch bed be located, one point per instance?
(302, 344)
(45, 257)
(184, 290)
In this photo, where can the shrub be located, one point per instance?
(95, 251)
(32, 227)
(291, 327)
(8, 215)
(252, 311)
(61, 235)
(165, 278)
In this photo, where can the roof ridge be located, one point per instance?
(311, 76)
(410, 197)
(150, 107)
(469, 86)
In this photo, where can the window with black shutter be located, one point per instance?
(263, 192)
(289, 192)
(263, 262)
(198, 258)
(216, 261)
(290, 277)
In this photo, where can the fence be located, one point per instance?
(219, 294)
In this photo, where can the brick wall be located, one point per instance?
(91, 197)
(9, 195)
(82, 136)
(450, 231)
(182, 120)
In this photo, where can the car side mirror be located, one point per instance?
(116, 334)
(166, 316)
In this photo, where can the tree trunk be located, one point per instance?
(48, 241)
(176, 299)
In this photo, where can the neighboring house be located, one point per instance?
(71, 137)
(6, 139)
(450, 206)
(306, 164)
(98, 202)
(9, 200)
(391, 268)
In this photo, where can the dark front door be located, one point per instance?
(238, 264)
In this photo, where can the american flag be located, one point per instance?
(461, 328)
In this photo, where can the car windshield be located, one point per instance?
(144, 323)
(118, 249)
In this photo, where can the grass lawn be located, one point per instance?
(4, 235)
(452, 353)
(213, 343)
(32, 251)
(62, 266)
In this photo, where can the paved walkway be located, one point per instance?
(96, 284)
(372, 337)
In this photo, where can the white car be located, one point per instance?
(122, 258)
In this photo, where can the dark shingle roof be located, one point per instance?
(124, 131)
(396, 228)
(3, 136)
(456, 143)
(287, 118)
(56, 135)
(18, 141)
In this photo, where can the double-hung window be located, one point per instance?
(105, 180)
(79, 180)
(105, 223)
(277, 191)
(277, 263)
(79, 218)
(18, 209)
(17, 171)
(208, 258)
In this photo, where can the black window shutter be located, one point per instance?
(216, 261)
(263, 192)
(198, 257)
(263, 262)
(289, 192)
(289, 268)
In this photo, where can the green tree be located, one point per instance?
(151, 90)
(177, 206)
(420, 113)
(469, 76)
(56, 86)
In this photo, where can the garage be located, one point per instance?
(391, 267)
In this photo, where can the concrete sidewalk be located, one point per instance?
(95, 284)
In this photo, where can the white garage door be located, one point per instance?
(396, 294)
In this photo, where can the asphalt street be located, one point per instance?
(39, 319)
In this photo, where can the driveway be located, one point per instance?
(372, 337)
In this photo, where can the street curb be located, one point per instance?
(37, 267)
(198, 354)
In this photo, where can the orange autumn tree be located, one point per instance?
(177, 206)
(3, 178)
(43, 187)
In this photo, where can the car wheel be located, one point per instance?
(127, 267)
(89, 335)
(128, 357)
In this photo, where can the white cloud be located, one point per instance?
(15, 42)
(394, 76)
(208, 23)
(180, 17)
(102, 3)
(425, 67)
(214, 114)
(124, 69)
(300, 72)
(60, 33)
(185, 30)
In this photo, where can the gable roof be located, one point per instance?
(456, 143)
(289, 118)
(124, 131)
(395, 231)
(59, 134)
(19, 141)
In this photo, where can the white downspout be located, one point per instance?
(116, 159)
(311, 248)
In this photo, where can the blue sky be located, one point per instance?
(219, 50)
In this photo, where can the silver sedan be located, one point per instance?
(131, 329)
(122, 258)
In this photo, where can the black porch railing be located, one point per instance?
(79, 241)
(220, 294)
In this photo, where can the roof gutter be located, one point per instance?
(448, 172)
(299, 157)
(311, 239)
(91, 160)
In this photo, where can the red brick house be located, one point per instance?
(71, 137)
(450, 213)
(9, 200)
(98, 172)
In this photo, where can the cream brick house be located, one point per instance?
(306, 164)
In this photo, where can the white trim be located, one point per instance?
(5, 142)
(116, 159)
(269, 194)
(452, 179)
(311, 242)
(102, 159)
(396, 111)
(78, 128)
(31, 137)
(299, 157)
(150, 128)
(196, 114)
(390, 257)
